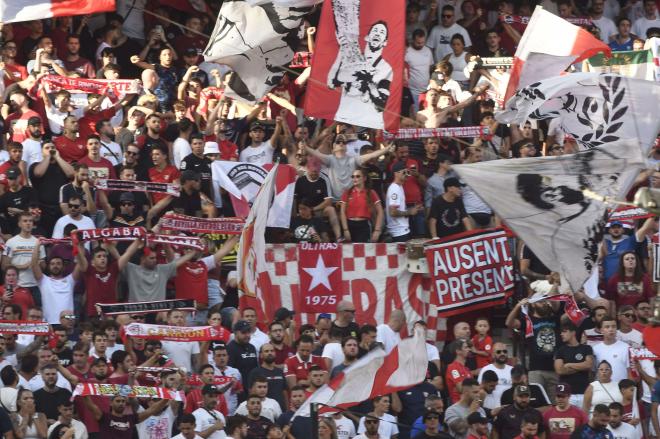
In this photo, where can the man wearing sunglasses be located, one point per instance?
(75, 217)
(501, 368)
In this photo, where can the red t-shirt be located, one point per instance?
(194, 400)
(627, 291)
(560, 425)
(191, 282)
(294, 366)
(101, 169)
(101, 286)
(228, 149)
(15, 73)
(3, 172)
(70, 150)
(86, 416)
(282, 354)
(18, 124)
(357, 205)
(87, 123)
(22, 297)
(483, 345)
(169, 174)
(456, 373)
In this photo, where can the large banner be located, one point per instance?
(471, 270)
(633, 63)
(320, 276)
(374, 276)
(357, 71)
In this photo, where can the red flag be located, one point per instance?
(320, 276)
(357, 70)
(27, 10)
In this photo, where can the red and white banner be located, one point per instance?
(301, 60)
(176, 333)
(373, 375)
(422, 133)
(12, 11)
(138, 186)
(471, 270)
(96, 389)
(539, 57)
(639, 354)
(225, 226)
(357, 71)
(578, 21)
(374, 277)
(320, 276)
(113, 88)
(24, 327)
(629, 213)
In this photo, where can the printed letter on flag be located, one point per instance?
(548, 47)
(593, 109)
(357, 70)
(319, 269)
(470, 271)
(541, 200)
(256, 42)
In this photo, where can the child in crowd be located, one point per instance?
(482, 343)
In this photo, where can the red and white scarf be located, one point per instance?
(24, 327)
(114, 89)
(220, 381)
(138, 186)
(225, 226)
(571, 309)
(133, 308)
(643, 353)
(132, 233)
(422, 133)
(510, 19)
(98, 389)
(175, 333)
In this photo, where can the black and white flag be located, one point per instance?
(256, 42)
(594, 109)
(542, 201)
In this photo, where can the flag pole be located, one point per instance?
(314, 414)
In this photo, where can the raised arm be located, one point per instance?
(137, 60)
(128, 254)
(190, 254)
(36, 267)
(375, 154)
(227, 247)
(96, 411)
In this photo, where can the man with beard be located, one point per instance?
(509, 420)
(270, 409)
(501, 368)
(364, 98)
(148, 142)
(419, 59)
(50, 395)
(110, 150)
(619, 428)
(32, 143)
(195, 398)
(98, 373)
(272, 373)
(564, 418)
(257, 424)
(17, 121)
(114, 423)
(597, 427)
(544, 342)
(79, 188)
(69, 144)
(209, 421)
(198, 162)
(17, 199)
(457, 371)
(350, 348)
(276, 335)
(73, 62)
(538, 399)
(75, 217)
(56, 289)
(456, 414)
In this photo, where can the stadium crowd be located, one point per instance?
(577, 382)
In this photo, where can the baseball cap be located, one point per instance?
(189, 174)
(521, 390)
(324, 315)
(211, 148)
(563, 389)
(127, 197)
(34, 120)
(209, 389)
(476, 418)
(241, 326)
(256, 126)
(13, 173)
(452, 182)
(398, 167)
(616, 223)
(283, 313)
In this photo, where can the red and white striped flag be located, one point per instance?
(12, 11)
(549, 46)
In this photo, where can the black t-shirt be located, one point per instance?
(47, 402)
(5, 422)
(117, 427)
(448, 215)
(145, 162)
(508, 421)
(48, 185)
(412, 401)
(352, 330)
(65, 357)
(203, 167)
(314, 191)
(543, 344)
(140, 200)
(69, 190)
(440, 435)
(303, 229)
(188, 204)
(376, 179)
(242, 357)
(538, 397)
(578, 381)
(20, 199)
(535, 263)
(257, 427)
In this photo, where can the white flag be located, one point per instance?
(593, 109)
(256, 42)
(541, 200)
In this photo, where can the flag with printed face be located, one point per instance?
(594, 109)
(256, 42)
(357, 70)
(542, 201)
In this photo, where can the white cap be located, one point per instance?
(211, 148)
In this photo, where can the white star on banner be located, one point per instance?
(320, 274)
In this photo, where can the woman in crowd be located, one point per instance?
(603, 390)
(359, 205)
(28, 424)
(630, 284)
(458, 59)
(327, 428)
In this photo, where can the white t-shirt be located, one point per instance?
(19, 251)
(180, 149)
(180, 352)
(432, 352)
(419, 62)
(607, 28)
(31, 152)
(397, 226)
(269, 409)
(641, 25)
(56, 296)
(624, 431)
(156, 426)
(56, 118)
(78, 427)
(258, 338)
(36, 382)
(231, 394)
(354, 146)
(205, 419)
(345, 427)
(334, 352)
(180, 436)
(258, 155)
(84, 223)
(440, 38)
(504, 379)
(111, 151)
(386, 426)
(387, 336)
(617, 355)
(632, 338)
